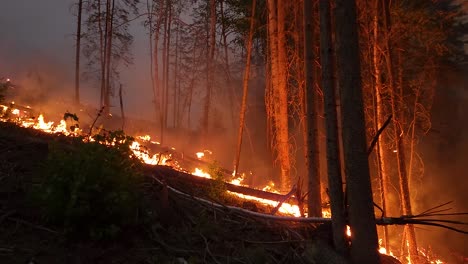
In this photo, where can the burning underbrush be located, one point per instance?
(135, 190)
(154, 223)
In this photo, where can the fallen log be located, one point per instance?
(167, 173)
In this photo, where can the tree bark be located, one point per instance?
(335, 182)
(364, 242)
(230, 93)
(210, 69)
(282, 129)
(245, 85)
(77, 54)
(398, 133)
(310, 110)
(167, 63)
(381, 153)
(109, 35)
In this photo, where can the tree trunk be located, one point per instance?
(102, 52)
(176, 91)
(335, 182)
(281, 121)
(77, 55)
(245, 85)
(364, 242)
(398, 133)
(210, 70)
(167, 63)
(230, 93)
(380, 118)
(310, 111)
(109, 56)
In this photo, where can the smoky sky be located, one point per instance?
(39, 36)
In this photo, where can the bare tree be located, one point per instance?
(245, 85)
(310, 111)
(78, 52)
(335, 182)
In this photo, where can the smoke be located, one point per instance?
(445, 152)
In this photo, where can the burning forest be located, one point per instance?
(264, 131)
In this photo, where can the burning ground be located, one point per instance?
(162, 214)
(188, 224)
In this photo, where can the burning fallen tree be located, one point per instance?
(168, 174)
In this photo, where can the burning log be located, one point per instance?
(168, 174)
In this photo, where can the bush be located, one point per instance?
(91, 191)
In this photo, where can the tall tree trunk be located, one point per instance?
(230, 92)
(245, 85)
(164, 75)
(310, 122)
(108, 58)
(210, 69)
(102, 52)
(281, 119)
(167, 64)
(335, 182)
(380, 118)
(364, 242)
(176, 91)
(157, 85)
(77, 55)
(398, 133)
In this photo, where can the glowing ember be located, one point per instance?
(348, 231)
(200, 155)
(145, 137)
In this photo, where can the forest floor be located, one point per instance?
(175, 229)
(177, 221)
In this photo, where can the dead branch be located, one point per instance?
(286, 197)
(377, 135)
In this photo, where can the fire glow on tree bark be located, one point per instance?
(314, 203)
(245, 85)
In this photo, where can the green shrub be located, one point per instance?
(91, 189)
(217, 188)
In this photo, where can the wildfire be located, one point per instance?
(20, 117)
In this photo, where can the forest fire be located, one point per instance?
(23, 119)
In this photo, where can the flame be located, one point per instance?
(200, 155)
(200, 173)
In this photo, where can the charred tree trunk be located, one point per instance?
(335, 182)
(245, 86)
(364, 242)
(77, 54)
(310, 122)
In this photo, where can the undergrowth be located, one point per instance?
(89, 189)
